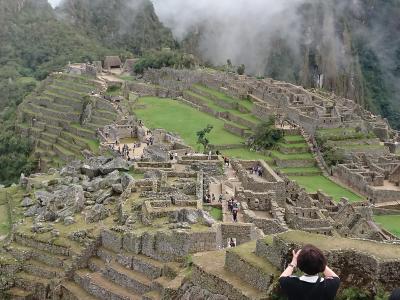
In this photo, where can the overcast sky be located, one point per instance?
(54, 3)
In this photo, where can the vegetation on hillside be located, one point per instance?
(166, 58)
(33, 44)
(127, 24)
(202, 137)
(265, 136)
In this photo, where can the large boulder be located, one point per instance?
(104, 195)
(118, 163)
(92, 166)
(96, 213)
(111, 179)
(27, 202)
(126, 180)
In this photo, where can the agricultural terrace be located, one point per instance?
(185, 120)
(390, 222)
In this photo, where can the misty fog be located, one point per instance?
(241, 30)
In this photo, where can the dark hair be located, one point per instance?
(395, 295)
(311, 260)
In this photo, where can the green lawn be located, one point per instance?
(293, 138)
(295, 156)
(390, 223)
(215, 212)
(211, 104)
(300, 170)
(246, 154)
(297, 145)
(184, 120)
(314, 183)
(222, 96)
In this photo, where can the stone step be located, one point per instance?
(59, 107)
(48, 146)
(85, 133)
(82, 143)
(16, 293)
(48, 137)
(130, 279)
(209, 270)
(22, 253)
(65, 92)
(68, 145)
(45, 111)
(72, 291)
(74, 86)
(151, 268)
(64, 153)
(75, 104)
(255, 270)
(94, 127)
(53, 129)
(141, 263)
(30, 282)
(100, 287)
(40, 269)
(167, 287)
(78, 79)
(35, 244)
(44, 154)
(101, 121)
(153, 295)
(110, 115)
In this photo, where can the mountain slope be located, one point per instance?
(350, 47)
(129, 24)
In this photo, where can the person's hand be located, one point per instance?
(295, 256)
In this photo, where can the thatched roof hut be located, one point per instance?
(112, 62)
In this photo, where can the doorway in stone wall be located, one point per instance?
(231, 242)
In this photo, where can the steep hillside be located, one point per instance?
(348, 47)
(33, 43)
(62, 118)
(131, 25)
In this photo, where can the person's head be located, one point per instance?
(311, 260)
(395, 295)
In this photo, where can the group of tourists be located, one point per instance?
(173, 156)
(258, 170)
(149, 141)
(233, 207)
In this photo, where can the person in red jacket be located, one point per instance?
(311, 286)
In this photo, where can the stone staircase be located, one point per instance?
(123, 276)
(317, 154)
(41, 265)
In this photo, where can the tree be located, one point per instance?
(265, 136)
(241, 69)
(202, 137)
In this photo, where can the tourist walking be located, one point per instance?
(311, 261)
(232, 243)
(235, 211)
(230, 205)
